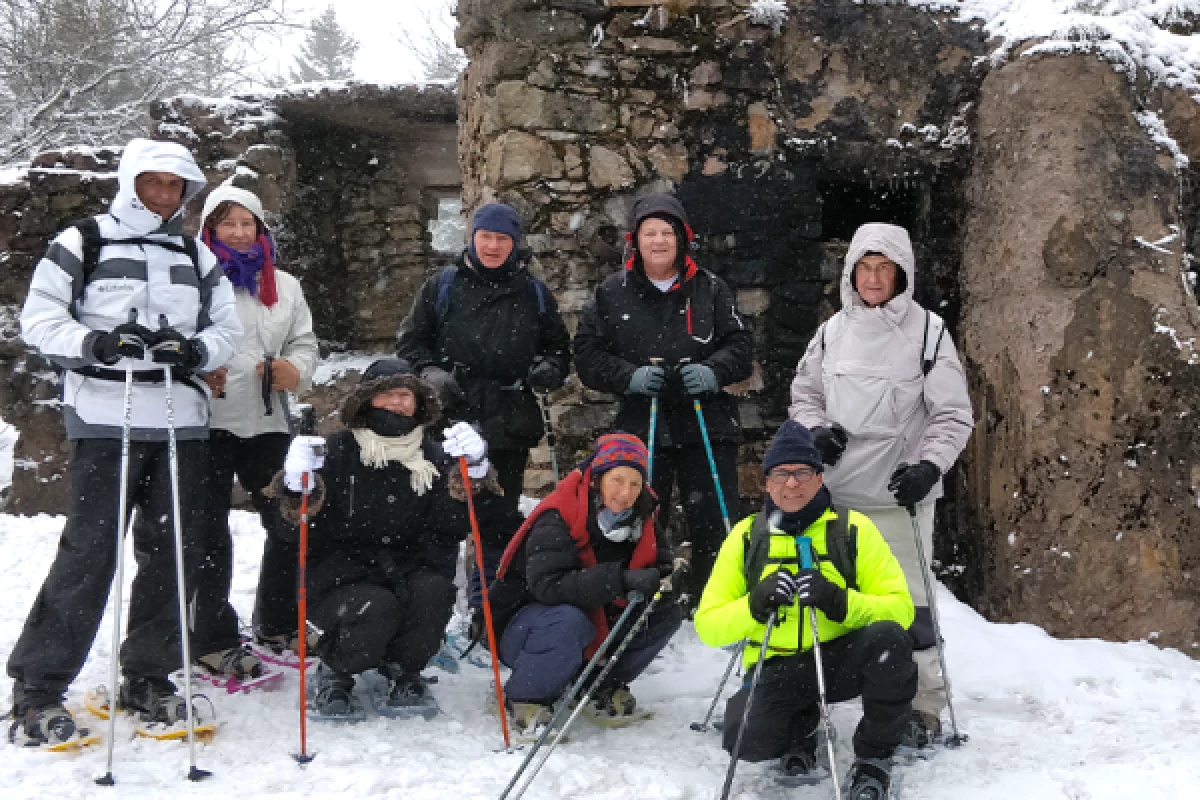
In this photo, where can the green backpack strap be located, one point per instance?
(757, 551)
(841, 545)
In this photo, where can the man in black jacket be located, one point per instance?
(662, 327)
(487, 335)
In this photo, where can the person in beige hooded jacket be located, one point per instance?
(884, 392)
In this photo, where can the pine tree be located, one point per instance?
(327, 53)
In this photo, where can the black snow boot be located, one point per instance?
(921, 731)
(798, 766)
(154, 699)
(405, 689)
(869, 779)
(335, 694)
(48, 725)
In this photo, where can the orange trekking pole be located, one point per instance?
(487, 604)
(303, 756)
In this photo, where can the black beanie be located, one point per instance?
(793, 444)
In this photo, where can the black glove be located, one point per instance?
(831, 443)
(641, 580)
(544, 376)
(128, 340)
(776, 591)
(173, 348)
(814, 589)
(910, 484)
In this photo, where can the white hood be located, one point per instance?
(146, 155)
(893, 242)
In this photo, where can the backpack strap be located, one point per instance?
(757, 551)
(928, 360)
(89, 230)
(539, 291)
(841, 545)
(441, 305)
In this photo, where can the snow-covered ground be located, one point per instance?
(1048, 719)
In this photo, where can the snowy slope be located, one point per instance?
(1079, 720)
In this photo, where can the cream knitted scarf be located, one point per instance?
(378, 451)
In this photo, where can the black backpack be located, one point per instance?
(841, 546)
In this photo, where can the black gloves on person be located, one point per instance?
(544, 376)
(776, 591)
(128, 340)
(173, 348)
(830, 443)
(814, 589)
(645, 581)
(910, 483)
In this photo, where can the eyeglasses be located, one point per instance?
(780, 477)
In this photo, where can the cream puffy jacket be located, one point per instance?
(865, 370)
(284, 330)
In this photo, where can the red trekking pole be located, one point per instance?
(487, 605)
(303, 756)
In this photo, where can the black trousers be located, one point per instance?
(874, 662)
(688, 467)
(366, 624)
(66, 614)
(254, 461)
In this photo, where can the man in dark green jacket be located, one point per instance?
(863, 613)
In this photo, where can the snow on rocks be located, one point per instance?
(1047, 719)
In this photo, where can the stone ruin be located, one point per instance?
(1049, 196)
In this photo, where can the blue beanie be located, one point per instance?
(793, 444)
(498, 218)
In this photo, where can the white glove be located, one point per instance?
(479, 471)
(305, 456)
(463, 441)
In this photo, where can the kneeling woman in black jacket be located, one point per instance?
(386, 518)
(563, 581)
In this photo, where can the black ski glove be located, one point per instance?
(776, 591)
(814, 589)
(128, 340)
(544, 376)
(641, 580)
(831, 443)
(177, 350)
(911, 483)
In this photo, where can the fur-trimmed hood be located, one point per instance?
(429, 408)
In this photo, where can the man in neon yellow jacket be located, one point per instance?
(864, 610)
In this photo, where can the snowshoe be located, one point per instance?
(237, 669)
(799, 767)
(51, 728)
(335, 700)
(869, 779)
(614, 707)
(405, 695)
(283, 650)
(530, 720)
(158, 712)
(446, 659)
(922, 734)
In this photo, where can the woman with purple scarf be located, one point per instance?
(249, 434)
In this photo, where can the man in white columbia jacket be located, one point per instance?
(79, 314)
(883, 391)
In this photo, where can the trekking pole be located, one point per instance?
(548, 428)
(307, 427)
(568, 694)
(712, 464)
(737, 744)
(123, 509)
(194, 773)
(806, 561)
(664, 586)
(487, 603)
(701, 727)
(653, 430)
(956, 739)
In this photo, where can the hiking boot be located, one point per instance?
(154, 699)
(335, 694)
(238, 663)
(614, 707)
(405, 689)
(798, 766)
(47, 724)
(922, 730)
(529, 720)
(869, 779)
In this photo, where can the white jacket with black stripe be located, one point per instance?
(62, 317)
